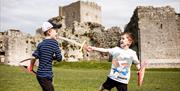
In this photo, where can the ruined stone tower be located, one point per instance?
(81, 11)
(157, 31)
(15, 47)
(2, 47)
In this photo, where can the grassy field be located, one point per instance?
(86, 76)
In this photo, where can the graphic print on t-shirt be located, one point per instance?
(122, 70)
(121, 63)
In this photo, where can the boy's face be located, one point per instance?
(124, 41)
(52, 33)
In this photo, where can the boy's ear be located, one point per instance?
(48, 32)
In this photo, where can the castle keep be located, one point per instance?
(157, 32)
(81, 11)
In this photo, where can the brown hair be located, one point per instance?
(45, 33)
(130, 37)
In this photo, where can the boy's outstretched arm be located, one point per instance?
(97, 49)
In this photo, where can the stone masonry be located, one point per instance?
(93, 33)
(80, 11)
(16, 46)
(158, 35)
(2, 47)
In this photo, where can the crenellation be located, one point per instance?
(91, 4)
(155, 13)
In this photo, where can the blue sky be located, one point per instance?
(28, 15)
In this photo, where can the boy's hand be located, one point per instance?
(89, 48)
(138, 68)
(138, 72)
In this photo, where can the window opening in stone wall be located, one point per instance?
(26, 50)
(76, 35)
(1, 45)
(2, 53)
(32, 42)
(161, 26)
(2, 33)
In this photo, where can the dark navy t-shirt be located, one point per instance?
(47, 51)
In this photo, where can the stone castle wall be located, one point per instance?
(90, 12)
(158, 35)
(71, 13)
(17, 47)
(2, 46)
(80, 11)
(93, 33)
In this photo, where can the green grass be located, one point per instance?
(86, 76)
(84, 65)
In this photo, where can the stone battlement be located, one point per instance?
(156, 13)
(91, 4)
(155, 9)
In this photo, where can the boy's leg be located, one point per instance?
(121, 86)
(108, 84)
(46, 84)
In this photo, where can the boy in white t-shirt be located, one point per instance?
(123, 57)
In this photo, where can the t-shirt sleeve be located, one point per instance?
(113, 52)
(36, 52)
(58, 55)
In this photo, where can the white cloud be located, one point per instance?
(28, 15)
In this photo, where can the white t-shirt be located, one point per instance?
(125, 59)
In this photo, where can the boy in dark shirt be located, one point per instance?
(47, 51)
